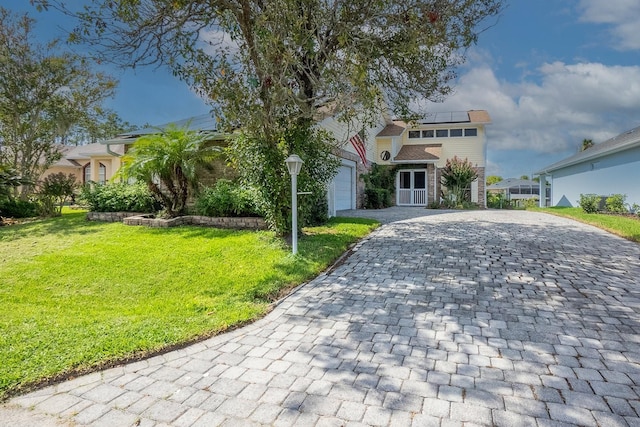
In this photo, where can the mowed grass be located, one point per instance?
(77, 295)
(623, 226)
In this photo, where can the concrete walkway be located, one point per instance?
(503, 318)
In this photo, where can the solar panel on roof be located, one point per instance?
(445, 117)
(459, 116)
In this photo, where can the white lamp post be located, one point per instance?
(294, 164)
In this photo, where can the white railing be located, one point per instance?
(420, 197)
(408, 197)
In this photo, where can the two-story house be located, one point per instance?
(420, 150)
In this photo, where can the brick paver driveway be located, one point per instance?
(464, 318)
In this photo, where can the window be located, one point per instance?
(87, 173)
(471, 132)
(442, 133)
(414, 134)
(455, 132)
(427, 133)
(102, 173)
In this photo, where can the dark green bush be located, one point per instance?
(615, 203)
(18, 208)
(118, 197)
(589, 202)
(379, 186)
(226, 198)
(377, 198)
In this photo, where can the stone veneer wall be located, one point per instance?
(128, 218)
(482, 193)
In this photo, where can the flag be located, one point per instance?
(358, 143)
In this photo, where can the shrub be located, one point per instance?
(531, 203)
(377, 198)
(53, 192)
(589, 202)
(615, 203)
(226, 198)
(457, 176)
(379, 185)
(19, 208)
(635, 208)
(118, 197)
(497, 201)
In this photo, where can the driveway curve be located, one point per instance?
(504, 318)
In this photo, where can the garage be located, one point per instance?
(344, 188)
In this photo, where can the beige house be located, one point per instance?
(420, 150)
(89, 163)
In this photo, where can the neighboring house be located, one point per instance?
(92, 162)
(516, 189)
(611, 167)
(203, 124)
(420, 151)
(346, 191)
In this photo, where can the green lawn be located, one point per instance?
(627, 227)
(76, 295)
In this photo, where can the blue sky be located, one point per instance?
(550, 73)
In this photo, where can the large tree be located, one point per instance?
(270, 65)
(43, 96)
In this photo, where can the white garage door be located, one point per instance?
(344, 188)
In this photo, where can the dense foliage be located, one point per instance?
(118, 197)
(53, 191)
(262, 167)
(168, 163)
(274, 67)
(226, 198)
(46, 96)
(616, 203)
(457, 176)
(590, 203)
(379, 185)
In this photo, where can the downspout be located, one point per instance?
(113, 153)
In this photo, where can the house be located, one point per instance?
(516, 189)
(611, 167)
(420, 150)
(355, 150)
(89, 163)
(203, 124)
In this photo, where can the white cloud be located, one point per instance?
(556, 108)
(621, 15)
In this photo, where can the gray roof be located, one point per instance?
(625, 140)
(512, 182)
(202, 123)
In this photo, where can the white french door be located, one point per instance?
(411, 188)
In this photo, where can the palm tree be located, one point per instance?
(586, 143)
(168, 163)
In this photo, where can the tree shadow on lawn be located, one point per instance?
(67, 224)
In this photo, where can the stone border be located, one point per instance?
(129, 218)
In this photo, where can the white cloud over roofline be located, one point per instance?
(622, 17)
(553, 109)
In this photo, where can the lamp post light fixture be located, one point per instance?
(294, 164)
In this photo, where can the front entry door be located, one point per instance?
(412, 188)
